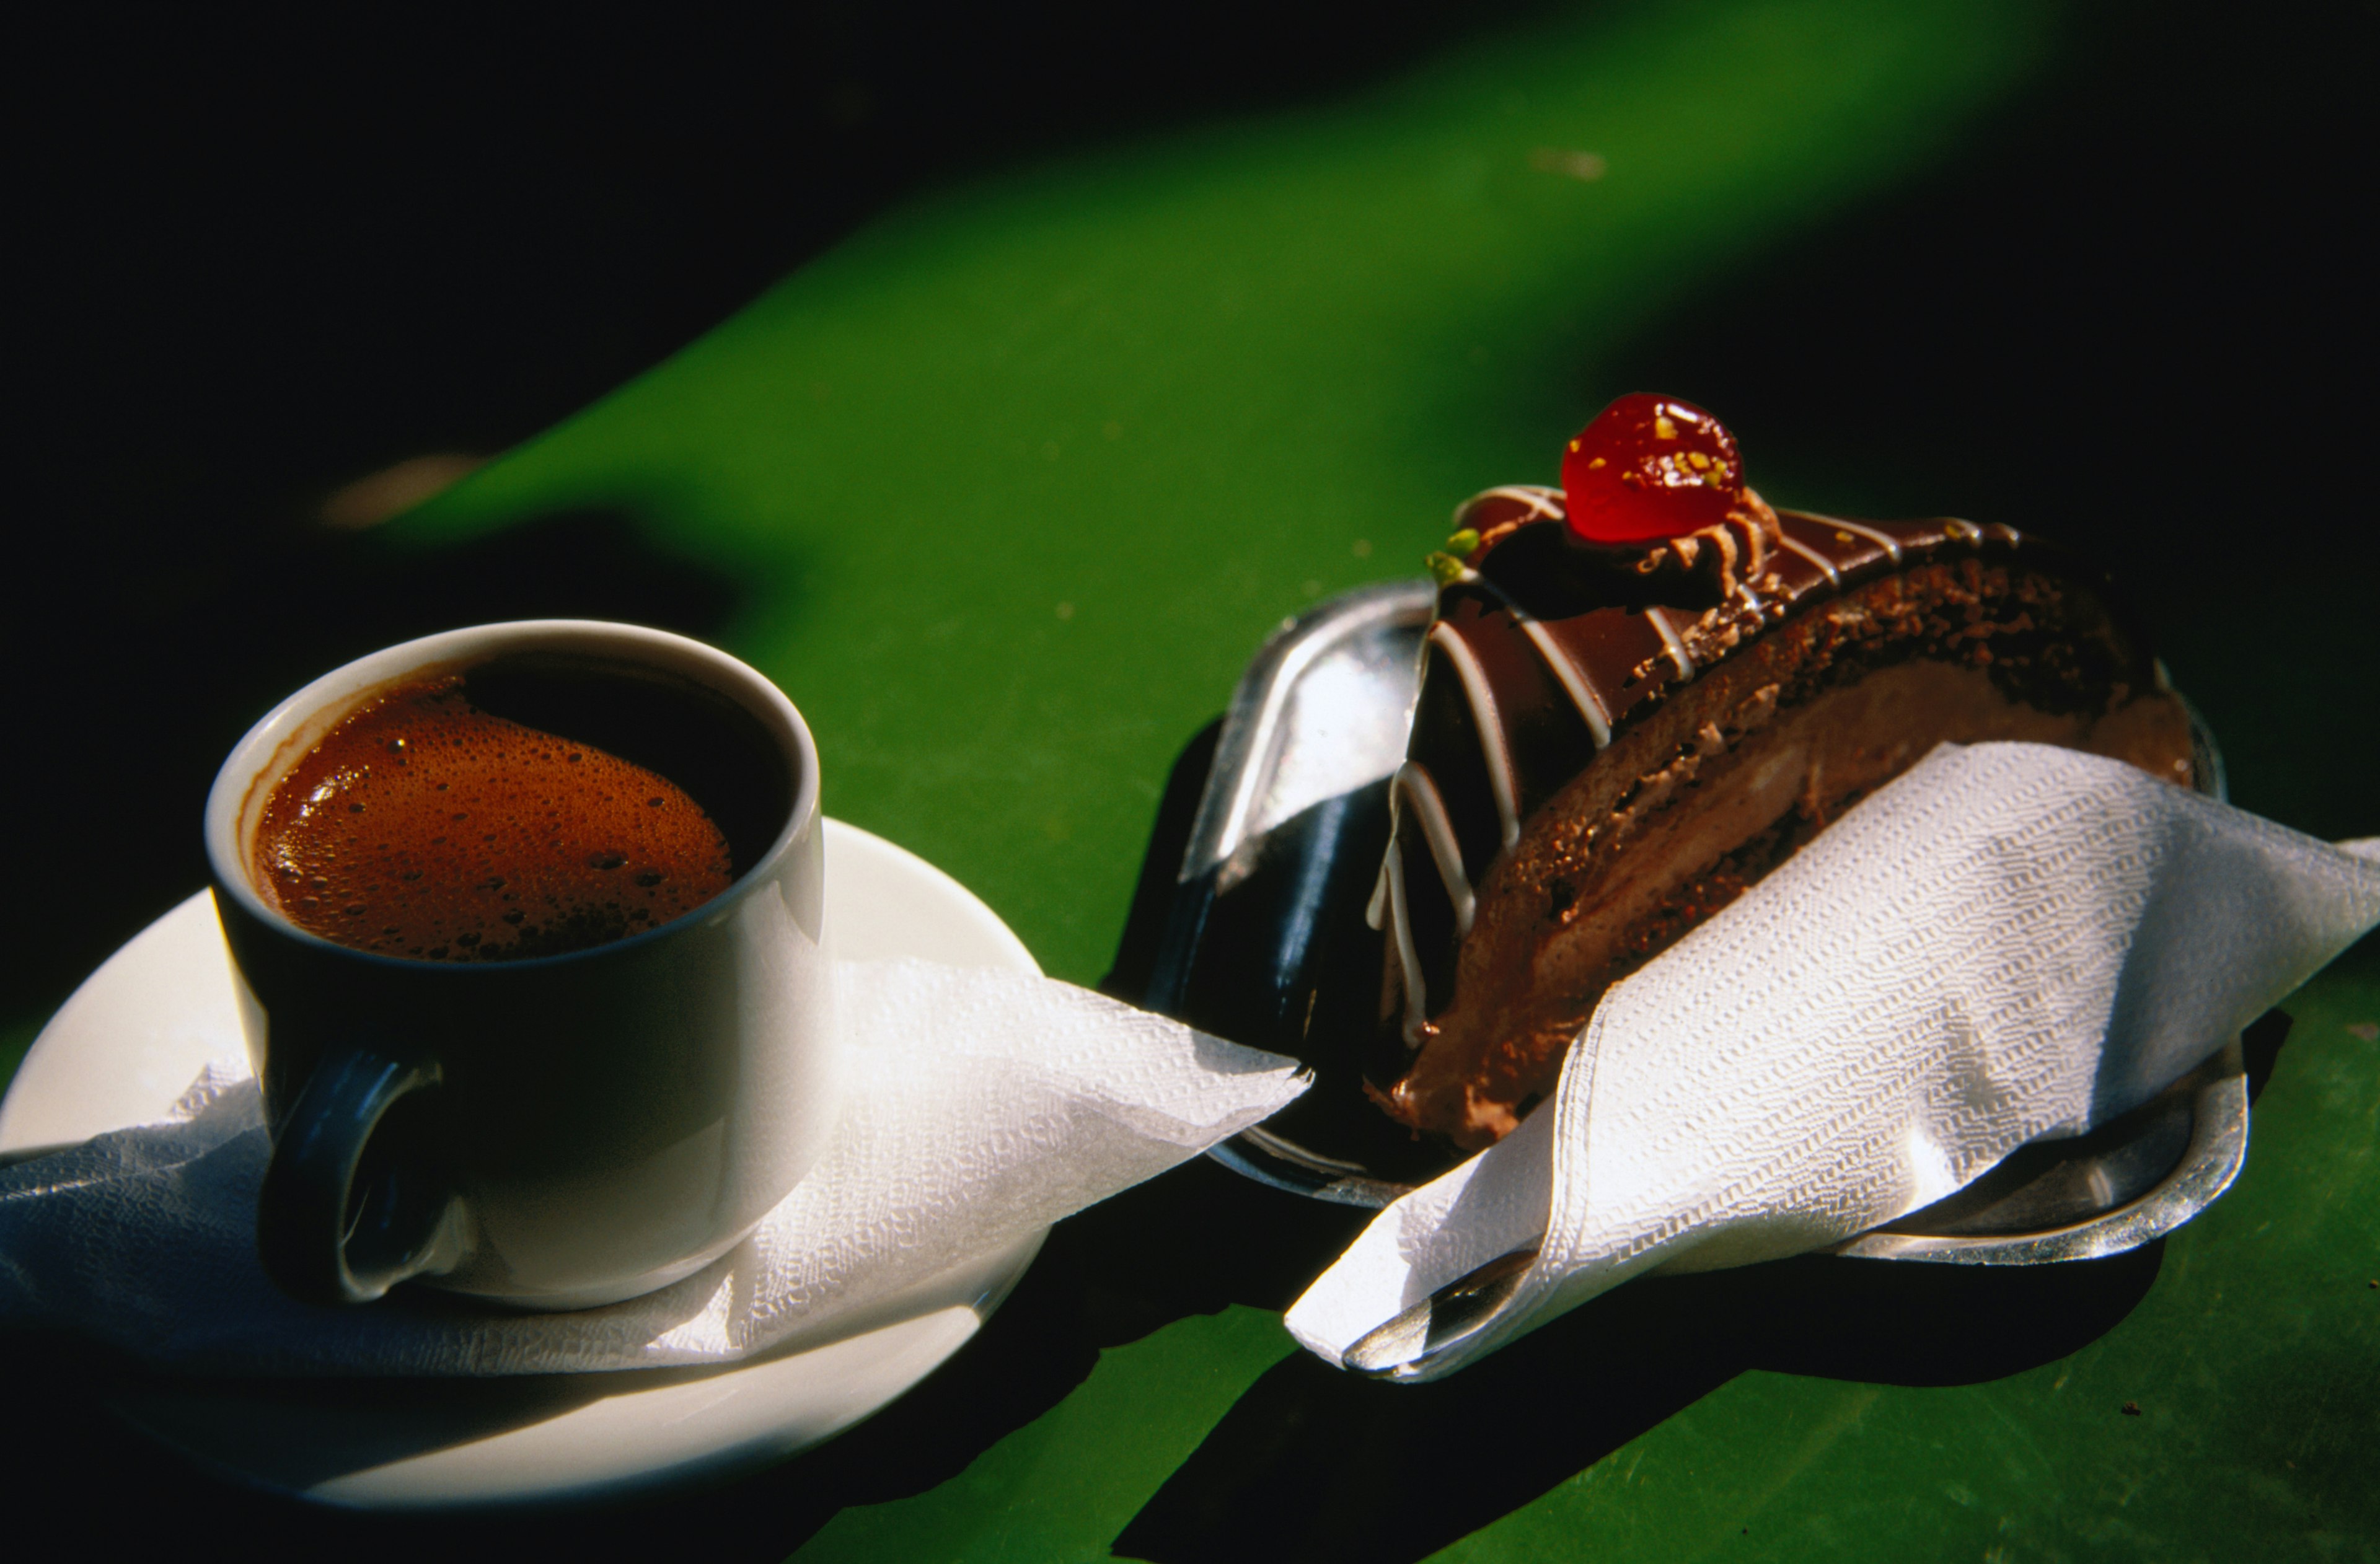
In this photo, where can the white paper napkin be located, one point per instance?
(982, 1107)
(2010, 941)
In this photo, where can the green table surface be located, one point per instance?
(1010, 486)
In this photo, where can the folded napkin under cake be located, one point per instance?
(982, 1107)
(2007, 943)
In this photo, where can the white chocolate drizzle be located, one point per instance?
(1491, 728)
(1408, 959)
(1429, 812)
(1413, 786)
(1566, 671)
(1885, 541)
(1825, 566)
(1660, 619)
(1539, 499)
(1574, 679)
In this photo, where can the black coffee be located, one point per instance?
(528, 806)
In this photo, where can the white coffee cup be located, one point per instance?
(557, 1131)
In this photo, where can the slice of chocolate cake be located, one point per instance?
(1645, 690)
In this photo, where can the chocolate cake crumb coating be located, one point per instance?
(1612, 741)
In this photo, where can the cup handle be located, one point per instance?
(322, 1240)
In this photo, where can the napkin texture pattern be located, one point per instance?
(981, 1107)
(2010, 941)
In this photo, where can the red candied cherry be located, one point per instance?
(1650, 466)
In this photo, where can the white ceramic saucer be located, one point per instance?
(141, 1028)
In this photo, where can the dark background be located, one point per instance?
(260, 259)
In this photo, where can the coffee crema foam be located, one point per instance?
(423, 826)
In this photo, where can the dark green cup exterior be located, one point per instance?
(557, 1133)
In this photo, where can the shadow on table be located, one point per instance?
(1314, 1465)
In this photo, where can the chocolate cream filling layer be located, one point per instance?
(1584, 788)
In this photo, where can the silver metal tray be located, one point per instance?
(1262, 939)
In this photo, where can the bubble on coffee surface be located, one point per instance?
(425, 827)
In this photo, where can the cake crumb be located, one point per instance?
(2130, 1409)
